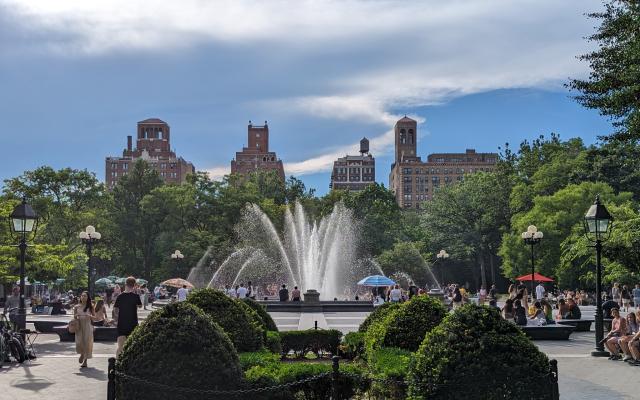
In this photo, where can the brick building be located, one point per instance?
(256, 156)
(354, 173)
(152, 145)
(414, 181)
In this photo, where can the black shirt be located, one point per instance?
(607, 306)
(127, 304)
(284, 294)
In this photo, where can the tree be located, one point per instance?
(612, 87)
(405, 257)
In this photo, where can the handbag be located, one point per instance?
(73, 326)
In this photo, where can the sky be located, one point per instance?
(76, 76)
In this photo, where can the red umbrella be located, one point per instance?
(536, 277)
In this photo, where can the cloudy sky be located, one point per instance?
(76, 76)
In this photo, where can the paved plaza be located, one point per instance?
(56, 374)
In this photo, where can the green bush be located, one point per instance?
(261, 358)
(314, 340)
(352, 345)
(267, 322)
(241, 326)
(475, 352)
(378, 314)
(178, 335)
(405, 327)
(277, 374)
(273, 342)
(392, 365)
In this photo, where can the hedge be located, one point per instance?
(314, 340)
(378, 314)
(260, 358)
(241, 325)
(267, 322)
(352, 345)
(273, 342)
(405, 327)
(277, 374)
(182, 335)
(476, 352)
(392, 365)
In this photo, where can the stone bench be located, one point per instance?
(100, 334)
(548, 332)
(44, 326)
(581, 325)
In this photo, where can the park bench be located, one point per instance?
(581, 325)
(548, 332)
(100, 334)
(46, 326)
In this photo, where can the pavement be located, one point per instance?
(56, 374)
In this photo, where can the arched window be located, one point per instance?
(410, 136)
(403, 136)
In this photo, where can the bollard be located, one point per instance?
(316, 325)
(334, 377)
(111, 376)
(555, 390)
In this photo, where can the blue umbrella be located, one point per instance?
(376, 281)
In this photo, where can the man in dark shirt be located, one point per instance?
(608, 305)
(126, 312)
(413, 290)
(284, 293)
(493, 292)
(574, 311)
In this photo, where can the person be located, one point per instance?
(493, 292)
(242, 291)
(508, 312)
(618, 329)
(482, 295)
(251, 293)
(181, 294)
(573, 310)
(538, 314)
(616, 293)
(396, 294)
(540, 291)
(116, 292)
(548, 311)
(512, 291)
(609, 305)
(457, 298)
(378, 301)
(632, 330)
(100, 314)
(520, 313)
(283, 293)
(626, 297)
(413, 289)
(231, 292)
(12, 303)
(493, 303)
(634, 344)
(126, 312)
(636, 296)
(144, 294)
(83, 313)
(563, 308)
(295, 294)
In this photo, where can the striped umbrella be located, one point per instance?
(376, 281)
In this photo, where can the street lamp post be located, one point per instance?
(23, 222)
(442, 255)
(89, 237)
(532, 237)
(598, 224)
(177, 256)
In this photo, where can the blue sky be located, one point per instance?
(76, 76)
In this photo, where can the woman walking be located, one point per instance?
(83, 313)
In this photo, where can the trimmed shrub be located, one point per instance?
(314, 340)
(273, 342)
(182, 335)
(476, 352)
(391, 364)
(319, 389)
(378, 314)
(267, 322)
(261, 358)
(405, 327)
(352, 345)
(242, 326)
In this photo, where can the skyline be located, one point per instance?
(76, 82)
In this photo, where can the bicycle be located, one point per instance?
(12, 343)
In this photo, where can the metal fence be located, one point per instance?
(333, 378)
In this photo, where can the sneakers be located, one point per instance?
(626, 358)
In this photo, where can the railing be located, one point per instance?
(114, 376)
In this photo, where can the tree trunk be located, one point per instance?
(483, 277)
(493, 269)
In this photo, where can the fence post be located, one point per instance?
(555, 390)
(334, 377)
(111, 375)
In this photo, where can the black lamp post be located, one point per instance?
(598, 224)
(24, 223)
(177, 256)
(89, 237)
(532, 237)
(442, 255)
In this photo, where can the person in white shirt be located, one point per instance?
(182, 293)
(540, 291)
(242, 291)
(231, 292)
(396, 294)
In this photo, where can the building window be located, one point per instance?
(407, 205)
(406, 171)
(257, 145)
(403, 136)
(125, 165)
(257, 135)
(114, 165)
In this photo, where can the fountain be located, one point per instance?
(311, 255)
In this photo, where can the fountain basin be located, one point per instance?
(317, 307)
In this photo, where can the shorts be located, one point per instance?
(636, 301)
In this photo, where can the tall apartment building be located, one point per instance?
(414, 181)
(354, 172)
(152, 145)
(256, 156)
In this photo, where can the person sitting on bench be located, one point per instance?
(573, 312)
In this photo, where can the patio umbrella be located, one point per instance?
(121, 281)
(177, 282)
(104, 282)
(112, 278)
(536, 277)
(141, 281)
(376, 281)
